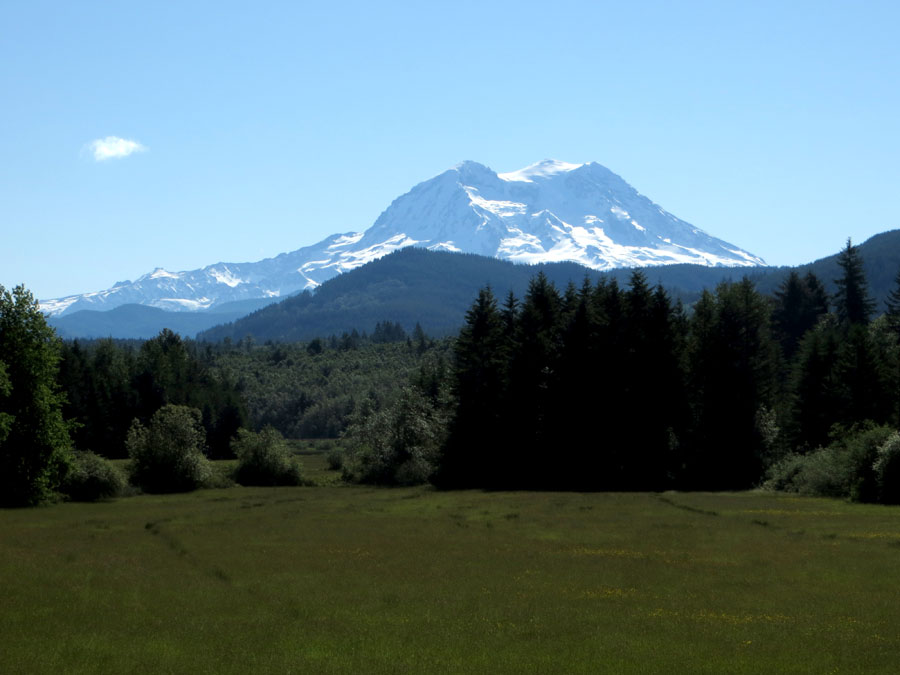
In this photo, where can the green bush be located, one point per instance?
(396, 446)
(887, 470)
(92, 478)
(168, 455)
(784, 475)
(848, 467)
(335, 459)
(264, 459)
(821, 473)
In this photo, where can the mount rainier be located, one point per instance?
(548, 212)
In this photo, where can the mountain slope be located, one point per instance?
(436, 288)
(432, 288)
(548, 212)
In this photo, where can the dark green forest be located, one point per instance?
(600, 385)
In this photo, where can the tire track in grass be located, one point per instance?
(176, 546)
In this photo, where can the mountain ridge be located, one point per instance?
(550, 211)
(436, 288)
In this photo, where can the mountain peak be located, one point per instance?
(474, 171)
(546, 168)
(468, 165)
(550, 211)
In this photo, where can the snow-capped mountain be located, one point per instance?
(548, 212)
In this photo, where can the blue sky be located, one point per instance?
(263, 127)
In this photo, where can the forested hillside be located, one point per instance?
(311, 390)
(435, 288)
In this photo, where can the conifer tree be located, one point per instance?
(818, 296)
(473, 455)
(666, 394)
(861, 379)
(892, 305)
(575, 417)
(814, 402)
(799, 302)
(510, 313)
(533, 376)
(733, 375)
(852, 301)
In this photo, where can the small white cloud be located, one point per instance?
(113, 147)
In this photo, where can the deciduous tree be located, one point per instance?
(34, 439)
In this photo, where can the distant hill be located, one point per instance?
(142, 322)
(435, 289)
(881, 258)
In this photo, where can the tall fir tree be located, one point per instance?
(852, 301)
(474, 455)
(799, 302)
(892, 305)
(533, 376)
(733, 364)
(814, 403)
(575, 418)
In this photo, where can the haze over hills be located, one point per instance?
(548, 212)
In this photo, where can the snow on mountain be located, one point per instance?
(547, 212)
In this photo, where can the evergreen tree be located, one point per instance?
(814, 403)
(665, 396)
(473, 454)
(853, 303)
(100, 396)
(578, 463)
(533, 378)
(733, 374)
(799, 302)
(34, 439)
(818, 297)
(861, 379)
(892, 305)
(633, 434)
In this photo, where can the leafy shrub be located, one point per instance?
(264, 459)
(91, 478)
(785, 474)
(820, 473)
(335, 459)
(168, 455)
(845, 468)
(887, 470)
(396, 446)
(860, 451)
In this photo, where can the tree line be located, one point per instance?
(106, 385)
(600, 387)
(595, 387)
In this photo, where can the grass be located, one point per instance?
(352, 579)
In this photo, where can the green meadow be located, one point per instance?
(340, 579)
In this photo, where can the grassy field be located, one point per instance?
(359, 580)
